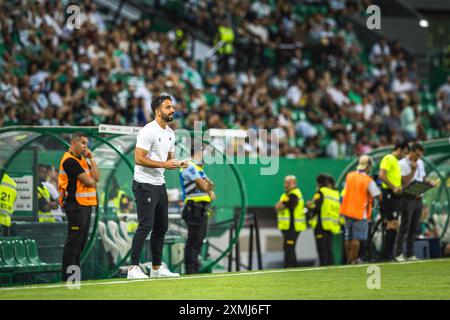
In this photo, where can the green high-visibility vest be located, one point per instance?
(329, 212)
(226, 35)
(8, 194)
(42, 215)
(284, 216)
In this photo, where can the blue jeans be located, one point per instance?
(356, 229)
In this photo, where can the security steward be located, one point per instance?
(323, 213)
(123, 205)
(225, 34)
(197, 196)
(291, 218)
(8, 194)
(77, 180)
(45, 203)
(181, 41)
(121, 202)
(390, 175)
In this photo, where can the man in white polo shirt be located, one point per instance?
(155, 152)
(412, 169)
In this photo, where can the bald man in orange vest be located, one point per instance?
(359, 191)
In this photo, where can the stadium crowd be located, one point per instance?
(323, 94)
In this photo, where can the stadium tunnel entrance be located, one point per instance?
(436, 202)
(27, 150)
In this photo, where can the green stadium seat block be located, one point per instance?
(33, 256)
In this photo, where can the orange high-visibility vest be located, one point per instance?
(84, 195)
(357, 198)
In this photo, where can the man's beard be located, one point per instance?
(167, 118)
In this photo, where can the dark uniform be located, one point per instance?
(291, 221)
(77, 201)
(391, 205)
(195, 213)
(325, 222)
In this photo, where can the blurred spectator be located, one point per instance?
(443, 94)
(427, 226)
(408, 122)
(302, 75)
(401, 83)
(337, 149)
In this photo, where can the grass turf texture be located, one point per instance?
(428, 279)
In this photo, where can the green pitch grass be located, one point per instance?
(428, 279)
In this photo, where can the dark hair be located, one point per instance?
(330, 180)
(322, 180)
(401, 145)
(76, 136)
(417, 146)
(156, 102)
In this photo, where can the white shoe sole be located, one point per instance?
(136, 278)
(158, 276)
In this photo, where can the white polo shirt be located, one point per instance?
(405, 169)
(158, 142)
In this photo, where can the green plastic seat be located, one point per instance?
(21, 254)
(298, 115)
(3, 265)
(7, 251)
(33, 257)
(21, 257)
(300, 142)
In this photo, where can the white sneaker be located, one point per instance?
(135, 272)
(163, 271)
(400, 258)
(413, 258)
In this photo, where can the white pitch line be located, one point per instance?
(220, 275)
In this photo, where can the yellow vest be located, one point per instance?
(329, 212)
(132, 226)
(180, 42)
(284, 216)
(392, 166)
(8, 194)
(84, 195)
(196, 197)
(117, 201)
(44, 216)
(226, 35)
